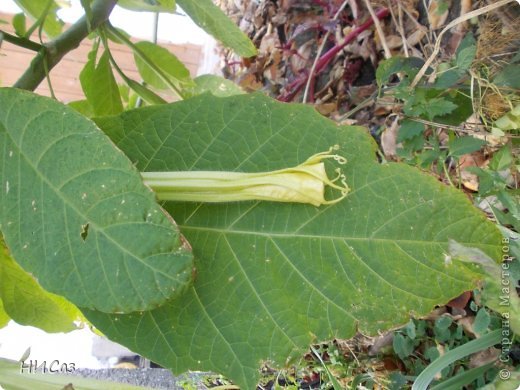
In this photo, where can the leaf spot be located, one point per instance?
(7, 187)
(84, 231)
(84, 196)
(10, 153)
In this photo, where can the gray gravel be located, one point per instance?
(155, 378)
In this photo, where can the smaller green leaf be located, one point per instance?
(4, 317)
(407, 65)
(410, 329)
(99, 85)
(36, 8)
(210, 18)
(464, 145)
(466, 52)
(464, 108)
(146, 94)
(29, 304)
(486, 179)
(509, 121)
(163, 59)
(83, 107)
(439, 106)
(509, 76)
(482, 320)
(148, 5)
(443, 323)
(403, 346)
(511, 202)
(502, 159)
(447, 79)
(409, 129)
(19, 24)
(431, 353)
(216, 85)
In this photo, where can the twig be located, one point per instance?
(453, 23)
(56, 49)
(310, 78)
(379, 30)
(21, 42)
(330, 54)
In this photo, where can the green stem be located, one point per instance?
(147, 60)
(146, 94)
(21, 42)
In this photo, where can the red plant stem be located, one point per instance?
(325, 59)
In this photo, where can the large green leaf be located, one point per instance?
(148, 5)
(272, 277)
(28, 304)
(35, 8)
(100, 86)
(215, 22)
(75, 214)
(163, 59)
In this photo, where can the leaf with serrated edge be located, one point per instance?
(273, 277)
(75, 214)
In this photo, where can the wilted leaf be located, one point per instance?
(273, 277)
(75, 214)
